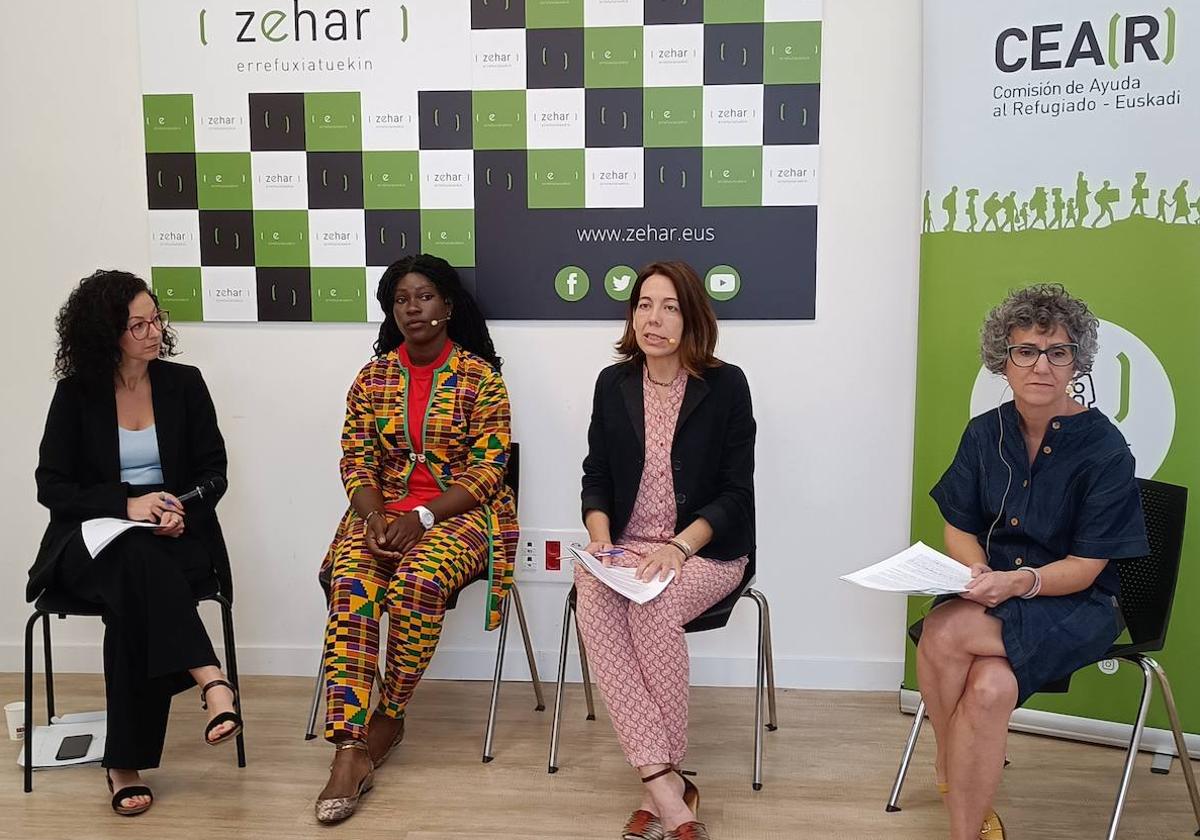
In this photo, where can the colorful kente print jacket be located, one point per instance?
(465, 438)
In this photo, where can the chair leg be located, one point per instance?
(760, 671)
(1135, 741)
(28, 745)
(506, 611)
(318, 689)
(1185, 760)
(232, 669)
(556, 724)
(533, 669)
(46, 654)
(585, 671)
(910, 746)
(772, 720)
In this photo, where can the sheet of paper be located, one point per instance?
(918, 570)
(98, 533)
(622, 579)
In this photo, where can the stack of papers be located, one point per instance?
(98, 533)
(622, 579)
(918, 570)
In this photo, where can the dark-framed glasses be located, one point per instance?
(1027, 355)
(142, 328)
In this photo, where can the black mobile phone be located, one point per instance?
(72, 747)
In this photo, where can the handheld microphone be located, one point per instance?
(213, 485)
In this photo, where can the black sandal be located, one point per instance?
(129, 793)
(224, 717)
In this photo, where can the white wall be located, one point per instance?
(834, 398)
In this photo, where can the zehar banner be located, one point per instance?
(1060, 146)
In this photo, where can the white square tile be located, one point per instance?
(374, 310)
(447, 179)
(230, 293)
(337, 238)
(280, 180)
(788, 10)
(498, 59)
(175, 237)
(674, 55)
(790, 175)
(615, 177)
(222, 121)
(614, 12)
(733, 115)
(389, 120)
(555, 118)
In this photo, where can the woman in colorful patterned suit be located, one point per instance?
(425, 446)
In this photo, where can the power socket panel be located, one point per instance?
(543, 556)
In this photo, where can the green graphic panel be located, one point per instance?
(339, 294)
(180, 292)
(556, 178)
(734, 11)
(391, 180)
(553, 14)
(499, 119)
(673, 117)
(1137, 273)
(612, 57)
(223, 181)
(281, 238)
(169, 122)
(733, 176)
(792, 53)
(334, 122)
(450, 234)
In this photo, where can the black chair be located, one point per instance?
(715, 617)
(52, 602)
(1147, 594)
(512, 477)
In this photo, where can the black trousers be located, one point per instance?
(152, 632)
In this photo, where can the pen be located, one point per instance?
(609, 553)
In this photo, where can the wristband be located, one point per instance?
(682, 546)
(367, 518)
(1037, 584)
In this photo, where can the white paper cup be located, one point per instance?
(14, 713)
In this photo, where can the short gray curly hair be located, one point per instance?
(1045, 306)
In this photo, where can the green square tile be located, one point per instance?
(391, 180)
(612, 57)
(734, 11)
(180, 291)
(333, 122)
(733, 176)
(553, 14)
(673, 116)
(223, 181)
(450, 234)
(499, 119)
(169, 122)
(281, 238)
(556, 178)
(792, 53)
(339, 294)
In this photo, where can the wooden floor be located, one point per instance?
(828, 771)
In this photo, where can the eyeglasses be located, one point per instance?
(1027, 355)
(142, 328)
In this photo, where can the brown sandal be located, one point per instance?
(642, 825)
(691, 830)
(337, 808)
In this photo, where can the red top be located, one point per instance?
(422, 486)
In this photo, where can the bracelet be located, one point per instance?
(367, 518)
(682, 546)
(1037, 583)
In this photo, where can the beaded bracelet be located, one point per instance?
(1037, 584)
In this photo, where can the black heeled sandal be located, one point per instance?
(129, 793)
(224, 717)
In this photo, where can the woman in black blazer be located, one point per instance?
(127, 430)
(668, 478)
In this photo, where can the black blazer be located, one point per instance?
(712, 454)
(79, 469)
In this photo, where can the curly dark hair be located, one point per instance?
(90, 324)
(468, 328)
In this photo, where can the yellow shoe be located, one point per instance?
(992, 829)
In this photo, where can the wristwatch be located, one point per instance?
(426, 516)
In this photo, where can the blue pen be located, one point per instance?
(609, 553)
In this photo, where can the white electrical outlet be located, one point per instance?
(543, 554)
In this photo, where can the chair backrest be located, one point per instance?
(1148, 583)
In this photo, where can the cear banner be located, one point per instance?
(1060, 145)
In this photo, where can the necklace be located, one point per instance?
(660, 384)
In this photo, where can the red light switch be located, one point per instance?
(553, 556)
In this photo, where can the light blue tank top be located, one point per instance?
(139, 456)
